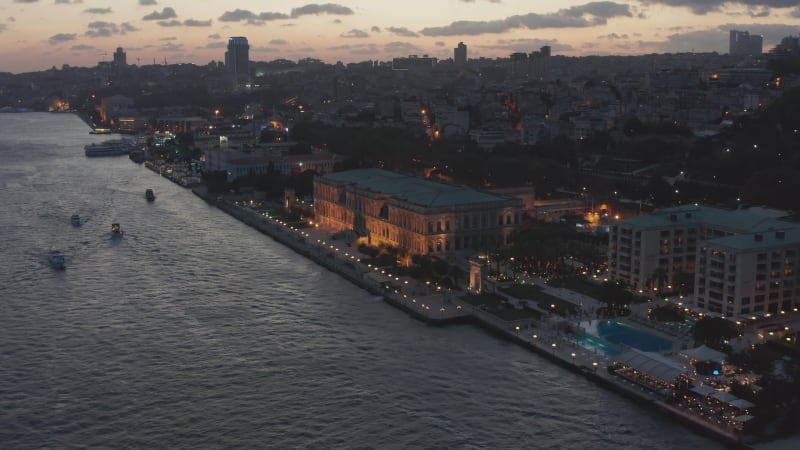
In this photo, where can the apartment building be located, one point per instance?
(742, 260)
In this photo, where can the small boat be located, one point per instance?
(148, 194)
(116, 230)
(75, 220)
(56, 260)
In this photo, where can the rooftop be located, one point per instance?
(741, 220)
(412, 189)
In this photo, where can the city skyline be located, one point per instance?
(39, 34)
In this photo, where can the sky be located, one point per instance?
(39, 34)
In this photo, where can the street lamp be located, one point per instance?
(517, 328)
(554, 348)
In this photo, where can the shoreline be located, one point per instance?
(464, 313)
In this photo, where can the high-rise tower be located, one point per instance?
(237, 59)
(119, 58)
(744, 43)
(460, 55)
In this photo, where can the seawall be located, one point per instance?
(595, 373)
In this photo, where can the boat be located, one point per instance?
(116, 230)
(148, 194)
(56, 260)
(137, 156)
(75, 220)
(112, 147)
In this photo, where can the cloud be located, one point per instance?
(614, 36)
(439, 43)
(81, 47)
(402, 48)
(473, 1)
(25, 1)
(169, 23)
(216, 45)
(267, 16)
(314, 9)
(264, 50)
(354, 33)
(706, 6)
(166, 13)
(106, 29)
(525, 45)
(147, 2)
(171, 47)
(125, 27)
(3, 27)
(375, 29)
(60, 37)
(97, 11)
(278, 42)
(582, 16)
(717, 39)
(236, 15)
(402, 31)
(67, 2)
(101, 29)
(197, 23)
(214, 36)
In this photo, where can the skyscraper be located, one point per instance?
(744, 43)
(540, 62)
(237, 59)
(460, 54)
(119, 58)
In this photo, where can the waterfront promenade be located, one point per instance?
(437, 306)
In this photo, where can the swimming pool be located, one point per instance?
(621, 334)
(596, 344)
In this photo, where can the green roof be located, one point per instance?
(412, 189)
(743, 220)
(754, 241)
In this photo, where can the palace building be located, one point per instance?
(413, 214)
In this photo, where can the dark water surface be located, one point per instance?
(195, 331)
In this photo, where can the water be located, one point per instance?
(194, 331)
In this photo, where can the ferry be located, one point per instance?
(148, 194)
(113, 147)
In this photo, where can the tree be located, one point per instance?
(615, 296)
(714, 331)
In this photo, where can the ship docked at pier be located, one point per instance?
(112, 147)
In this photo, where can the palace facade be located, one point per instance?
(413, 214)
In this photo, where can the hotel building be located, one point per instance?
(415, 215)
(742, 260)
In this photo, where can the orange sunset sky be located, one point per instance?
(39, 34)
